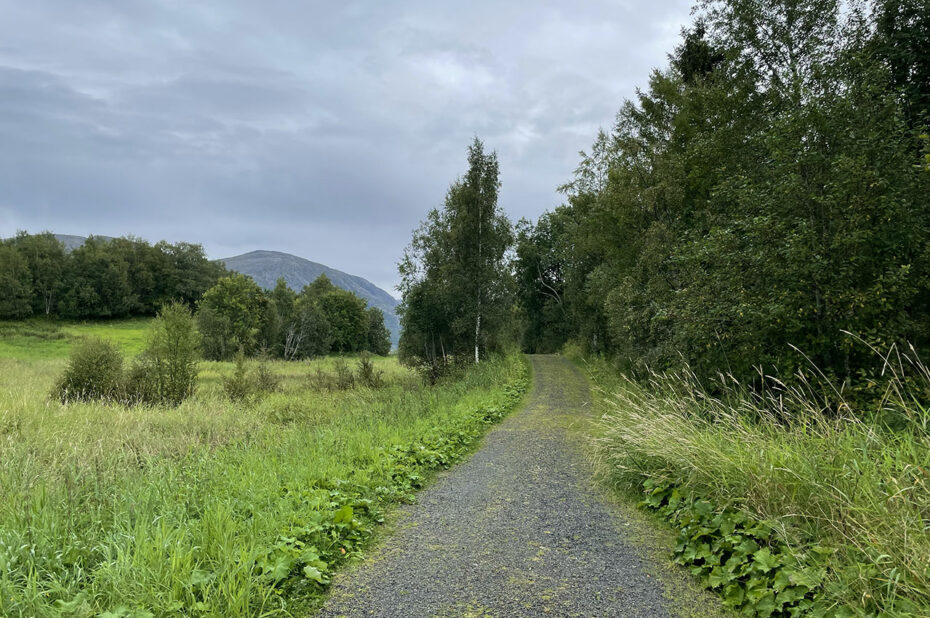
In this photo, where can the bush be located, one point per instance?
(266, 380)
(141, 385)
(367, 375)
(94, 372)
(342, 378)
(244, 384)
(239, 386)
(821, 476)
(166, 372)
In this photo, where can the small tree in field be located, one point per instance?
(232, 315)
(379, 337)
(166, 372)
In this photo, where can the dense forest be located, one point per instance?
(103, 278)
(765, 195)
(238, 315)
(761, 204)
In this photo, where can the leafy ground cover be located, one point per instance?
(784, 505)
(216, 508)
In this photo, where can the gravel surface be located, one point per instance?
(516, 530)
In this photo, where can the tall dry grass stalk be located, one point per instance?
(798, 455)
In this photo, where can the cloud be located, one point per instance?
(324, 130)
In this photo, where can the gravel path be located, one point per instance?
(516, 530)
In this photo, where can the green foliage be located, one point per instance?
(341, 378)
(101, 279)
(379, 337)
(346, 314)
(247, 384)
(902, 40)
(740, 557)
(166, 371)
(321, 319)
(762, 194)
(46, 258)
(239, 386)
(811, 468)
(94, 372)
(232, 316)
(366, 374)
(15, 283)
(266, 380)
(455, 284)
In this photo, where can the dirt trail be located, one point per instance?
(519, 529)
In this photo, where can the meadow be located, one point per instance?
(213, 508)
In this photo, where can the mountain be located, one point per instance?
(265, 267)
(72, 242)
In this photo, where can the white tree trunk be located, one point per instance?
(480, 265)
(477, 334)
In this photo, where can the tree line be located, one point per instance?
(763, 193)
(237, 315)
(761, 203)
(120, 277)
(103, 278)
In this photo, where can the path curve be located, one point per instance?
(516, 530)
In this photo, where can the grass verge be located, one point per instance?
(784, 506)
(216, 508)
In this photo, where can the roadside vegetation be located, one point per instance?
(786, 503)
(743, 260)
(218, 506)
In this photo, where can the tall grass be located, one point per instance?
(153, 510)
(820, 472)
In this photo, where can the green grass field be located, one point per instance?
(39, 339)
(213, 508)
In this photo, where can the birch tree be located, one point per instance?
(456, 281)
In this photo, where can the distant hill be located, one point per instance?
(265, 267)
(73, 242)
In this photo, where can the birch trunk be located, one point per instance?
(478, 281)
(477, 333)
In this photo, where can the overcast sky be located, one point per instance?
(323, 129)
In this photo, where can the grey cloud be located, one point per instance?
(326, 130)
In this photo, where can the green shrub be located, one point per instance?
(266, 380)
(166, 371)
(140, 384)
(239, 386)
(174, 351)
(95, 371)
(245, 384)
(343, 378)
(366, 374)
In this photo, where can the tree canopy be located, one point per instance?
(456, 283)
(765, 192)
